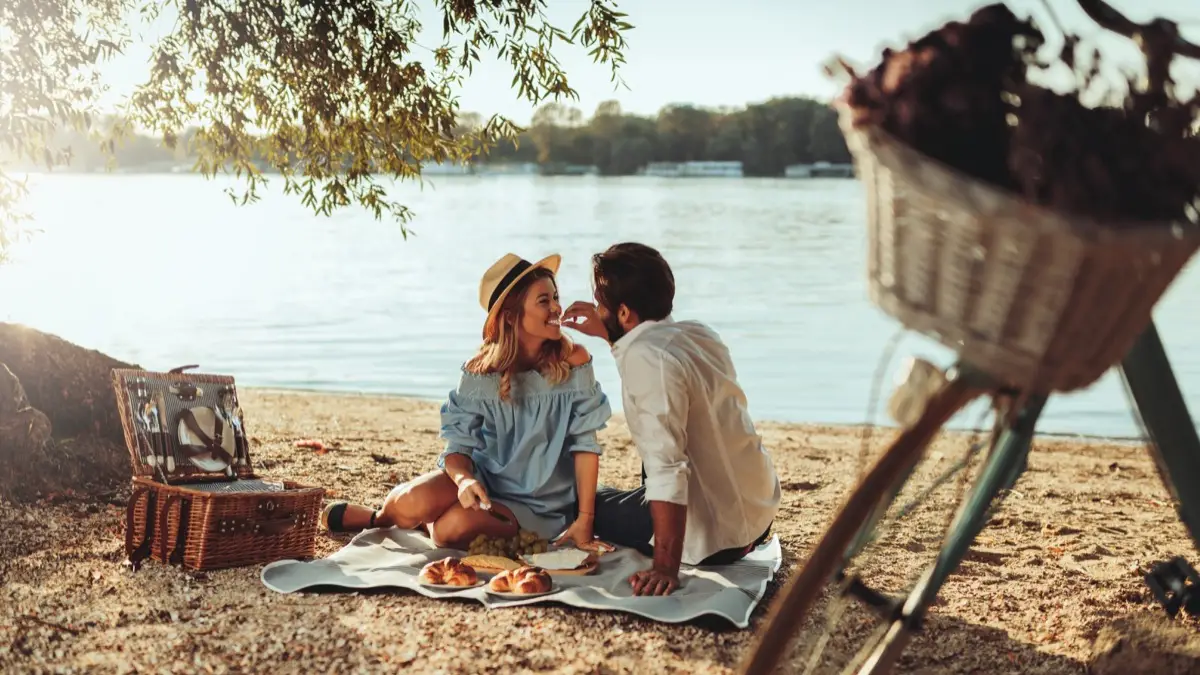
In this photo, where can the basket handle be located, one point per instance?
(180, 369)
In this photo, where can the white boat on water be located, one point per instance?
(694, 169)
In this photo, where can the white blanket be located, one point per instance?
(393, 558)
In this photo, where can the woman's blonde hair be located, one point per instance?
(499, 352)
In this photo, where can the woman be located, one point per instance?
(520, 429)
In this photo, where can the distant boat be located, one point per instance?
(819, 170)
(694, 169)
(564, 169)
(447, 169)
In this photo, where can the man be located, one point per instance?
(709, 490)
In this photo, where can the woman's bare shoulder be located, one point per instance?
(579, 355)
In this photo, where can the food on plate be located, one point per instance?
(449, 572)
(560, 559)
(524, 580)
(523, 543)
(491, 562)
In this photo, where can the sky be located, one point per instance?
(727, 53)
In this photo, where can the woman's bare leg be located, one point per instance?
(457, 526)
(409, 505)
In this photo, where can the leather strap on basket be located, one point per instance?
(185, 517)
(142, 550)
(211, 444)
(129, 511)
(176, 555)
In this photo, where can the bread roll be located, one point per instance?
(502, 582)
(525, 580)
(449, 572)
(531, 580)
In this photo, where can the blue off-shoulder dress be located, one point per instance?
(523, 449)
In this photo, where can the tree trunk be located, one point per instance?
(59, 427)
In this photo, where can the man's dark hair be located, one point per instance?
(636, 276)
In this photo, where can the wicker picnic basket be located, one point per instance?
(1036, 299)
(196, 500)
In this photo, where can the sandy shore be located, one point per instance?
(1057, 572)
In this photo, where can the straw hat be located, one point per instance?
(500, 278)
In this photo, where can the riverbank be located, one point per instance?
(1052, 580)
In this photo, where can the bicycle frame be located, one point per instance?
(1174, 445)
(1146, 370)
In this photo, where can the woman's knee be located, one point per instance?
(451, 529)
(417, 502)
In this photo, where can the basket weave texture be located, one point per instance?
(201, 530)
(1036, 299)
(204, 520)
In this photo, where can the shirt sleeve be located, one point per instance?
(589, 414)
(462, 428)
(658, 390)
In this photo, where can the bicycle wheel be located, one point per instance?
(856, 518)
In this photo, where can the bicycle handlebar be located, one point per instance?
(1107, 17)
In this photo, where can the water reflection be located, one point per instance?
(164, 270)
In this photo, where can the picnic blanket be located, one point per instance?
(390, 557)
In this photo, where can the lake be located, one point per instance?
(163, 270)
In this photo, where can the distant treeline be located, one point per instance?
(765, 137)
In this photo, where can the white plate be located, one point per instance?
(554, 588)
(452, 587)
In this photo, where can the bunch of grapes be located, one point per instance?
(524, 543)
(961, 96)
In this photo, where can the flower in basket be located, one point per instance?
(965, 95)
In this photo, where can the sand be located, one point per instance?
(1054, 584)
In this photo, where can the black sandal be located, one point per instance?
(331, 517)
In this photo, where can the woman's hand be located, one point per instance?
(472, 495)
(579, 533)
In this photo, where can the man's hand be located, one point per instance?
(585, 318)
(654, 582)
(472, 495)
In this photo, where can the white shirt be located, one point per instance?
(688, 417)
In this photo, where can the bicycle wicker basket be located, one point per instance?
(212, 512)
(1036, 299)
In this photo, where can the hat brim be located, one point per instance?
(550, 262)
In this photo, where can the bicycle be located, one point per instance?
(1148, 377)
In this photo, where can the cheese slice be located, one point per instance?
(491, 562)
(561, 559)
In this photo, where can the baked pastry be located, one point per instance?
(491, 563)
(525, 580)
(449, 572)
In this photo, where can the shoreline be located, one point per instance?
(1132, 441)
(1059, 567)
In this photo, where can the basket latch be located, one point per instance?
(277, 525)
